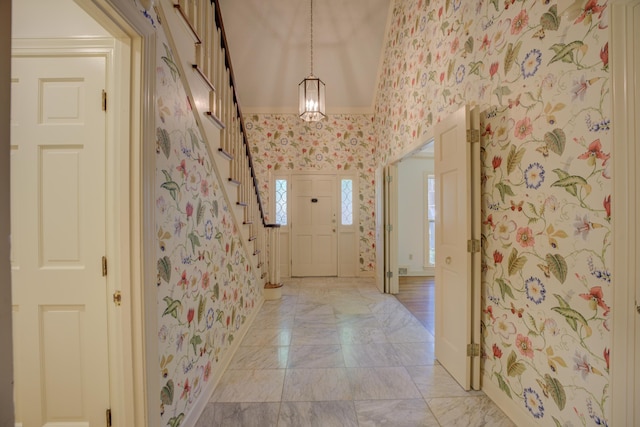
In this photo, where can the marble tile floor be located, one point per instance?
(337, 352)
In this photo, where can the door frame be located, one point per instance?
(625, 372)
(391, 280)
(130, 216)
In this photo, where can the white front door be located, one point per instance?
(457, 291)
(313, 226)
(58, 240)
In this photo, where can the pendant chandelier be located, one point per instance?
(311, 91)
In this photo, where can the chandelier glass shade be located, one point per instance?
(311, 92)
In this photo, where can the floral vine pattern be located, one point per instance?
(539, 72)
(206, 286)
(342, 143)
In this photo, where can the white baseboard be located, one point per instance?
(200, 403)
(511, 409)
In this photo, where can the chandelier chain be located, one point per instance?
(311, 35)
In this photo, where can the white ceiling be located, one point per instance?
(269, 42)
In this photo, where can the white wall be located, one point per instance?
(411, 195)
(53, 19)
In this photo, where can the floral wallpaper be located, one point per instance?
(206, 286)
(341, 143)
(538, 70)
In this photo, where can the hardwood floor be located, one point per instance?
(417, 294)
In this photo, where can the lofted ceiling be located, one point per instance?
(269, 42)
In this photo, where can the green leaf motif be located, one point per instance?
(514, 158)
(452, 65)
(561, 301)
(550, 20)
(570, 184)
(214, 208)
(556, 141)
(168, 59)
(558, 266)
(201, 307)
(504, 190)
(195, 241)
(573, 317)
(564, 52)
(195, 341)
(516, 263)
(514, 368)
(164, 141)
(166, 394)
(194, 138)
(503, 385)
(172, 187)
(164, 268)
(563, 304)
(199, 212)
(511, 56)
(468, 45)
(505, 289)
(176, 421)
(556, 390)
(500, 91)
(570, 181)
(474, 67)
(172, 307)
(572, 189)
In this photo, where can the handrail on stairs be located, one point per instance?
(224, 46)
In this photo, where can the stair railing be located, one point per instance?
(213, 64)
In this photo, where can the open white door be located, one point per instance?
(380, 229)
(458, 247)
(391, 229)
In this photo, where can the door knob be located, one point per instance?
(447, 260)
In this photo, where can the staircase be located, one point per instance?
(199, 44)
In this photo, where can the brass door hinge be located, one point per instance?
(473, 245)
(104, 100)
(108, 416)
(473, 135)
(104, 266)
(473, 350)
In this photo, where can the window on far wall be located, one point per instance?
(281, 201)
(347, 201)
(430, 220)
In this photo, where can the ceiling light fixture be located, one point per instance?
(311, 91)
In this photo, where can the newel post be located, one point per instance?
(273, 287)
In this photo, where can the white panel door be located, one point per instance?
(457, 314)
(313, 226)
(380, 259)
(58, 240)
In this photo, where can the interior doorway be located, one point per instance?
(68, 198)
(416, 234)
